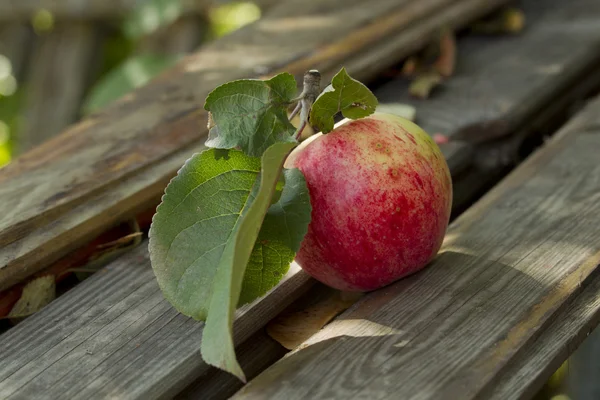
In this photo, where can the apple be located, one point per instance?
(381, 196)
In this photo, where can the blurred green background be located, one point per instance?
(128, 57)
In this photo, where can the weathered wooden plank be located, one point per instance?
(118, 160)
(318, 304)
(539, 361)
(115, 336)
(62, 64)
(508, 267)
(488, 101)
(582, 367)
(507, 89)
(181, 37)
(255, 355)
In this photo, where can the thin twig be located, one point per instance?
(293, 114)
(300, 129)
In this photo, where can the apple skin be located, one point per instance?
(381, 196)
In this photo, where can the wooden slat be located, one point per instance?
(509, 88)
(507, 269)
(115, 336)
(561, 41)
(89, 211)
(573, 326)
(62, 64)
(114, 163)
(254, 355)
(181, 37)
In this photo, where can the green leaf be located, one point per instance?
(217, 339)
(251, 114)
(134, 72)
(150, 16)
(279, 239)
(344, 94)
(204, 233)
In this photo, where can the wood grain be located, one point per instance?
(181, 37)
(114, 335)
(507, 268)
(486, 101)
(254, 355)
(534, 366)
(125, 154)
(61, 68)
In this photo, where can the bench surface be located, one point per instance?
(511, 292)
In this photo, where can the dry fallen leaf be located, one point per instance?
(108, 252)
(439, 55)
(410, 66)
(36, 295)
(446, 61)
(292, 329)
(422, 86)
(402, 110)
(509, 20)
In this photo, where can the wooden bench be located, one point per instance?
(508, 299)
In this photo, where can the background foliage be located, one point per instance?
(124, 66)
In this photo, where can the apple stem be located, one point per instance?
(310, 91)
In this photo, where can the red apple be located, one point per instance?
(381, 196)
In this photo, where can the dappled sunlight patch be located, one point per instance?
(353, 328)
(227, 18)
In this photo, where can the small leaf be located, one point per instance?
(424, 83)
(446, 62)
(134, 72)
(291, 329)
(251, 114)
(406, 111)
(36, 295)
(150, 16)
(344, 94)
(508, 20)
(204, 233)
